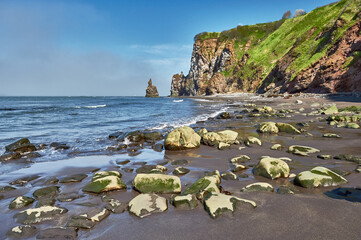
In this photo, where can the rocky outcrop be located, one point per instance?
(151, 90)
(278, 57)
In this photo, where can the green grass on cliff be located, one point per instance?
(305, 39)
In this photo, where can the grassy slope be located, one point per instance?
(307, 38)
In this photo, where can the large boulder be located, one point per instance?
(21, 146)
(272, 168)
(287, 128)
(228, 136)
(267, 127)
(302, 150)
(217, 204)
(319, 177)
(157, 183)
(215, 138)
(182, 138)
(145, 204)
(105, 181)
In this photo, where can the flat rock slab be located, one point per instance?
(24, 180)
(64, 233)
(302, 150)
(80, 221)
(217, 204)
(68, 197)
(73, 178)
(20, 232)
(37, 215)
(145, 204)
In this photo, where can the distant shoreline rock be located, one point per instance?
(151, 90)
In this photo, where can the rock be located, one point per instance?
(201, 132)
(358, 169)
(228, 136)
(330, 135)
(59, 146)
(80, 221)
(235, 167)
(180, 162)
(252, 140)
(324, 156)
(223, 146)
(115, 135)
(331, 110)
(152, 136)
(182, 138)
(285, 190)
(244, 175)
(349, 158)
(217, 204)
(272, 168)
(104, 181)
(38, 215)
(187, 201)
(229, 176)
(24, 180)
(303, 124)
(98, 215)
(21, 146)
(319, 176)
(145, 204)
(60, 233)
(276, 147)
(302, 150)
(258, 187)
(114, 205)
(205, 185)
(287, 128)
(211, 139)
(158, 147)
(68, 197)
(352, 125)
(151, 169)
(157, 183)
(20, 202)
(180, 171)
(292, 175)
(25, 231)
(6, 188)
(151, 90)
(73, 178)
(224, 115)
(240, 159)
(10, 156)
(51, 191)
(349, 194)
(315, 105)
(299, 102)
(267, 127)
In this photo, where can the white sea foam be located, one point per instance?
(95, 106)
(180, 100)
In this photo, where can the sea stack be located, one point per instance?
(151, 90)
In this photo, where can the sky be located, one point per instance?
(113, 47)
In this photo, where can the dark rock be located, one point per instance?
(224, 115)
(46, 181)
(302, 124)
(68, 197)
(151, 169)
(152, 136)
(20, 202)
(128, 170)
(46, 192)
(24, 180)
(21, 146)
(122, 162)
(286, 190)
(10, 156)
(21, 232)
(38, 215)
(58, 233)
(349, 157)
(158, 147)
(180, 162)
(243, 175)
(180, 171)
(73, 178)
(6, 188)
(80, 221)
(59, 146)
(115, 135)
(349, 194)
(151, 90)
(32, 155)
(114, 205)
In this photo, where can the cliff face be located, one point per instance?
(319, 52)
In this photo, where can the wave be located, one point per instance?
(181, 100)
(95, 106)
(202, 100)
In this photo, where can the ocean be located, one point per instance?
(84, 123)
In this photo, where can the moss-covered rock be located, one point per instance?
(229, 176)
(287, 128)
(211, 139)
(182, 138)
(204, 185)
(286, 190)
(217, 204)
(105, 181)
(145, 204)
(331, 135)
(252, 140)
(37, 215)
(267, 127)
(151, 169)
(324, 156)
(355, 109)
(352, 125)
(21, 232)
(258, 187)
(331, 110)
(201, 132)
(349, 158)
(276, 147)
(51, 191)
(20, 202)
(180, 171)
(157, 183)
(185, 201)
(319, 177)
(272, 168)
(302, 150)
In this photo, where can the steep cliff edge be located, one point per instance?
(318, 52)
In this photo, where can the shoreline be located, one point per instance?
(306, 214)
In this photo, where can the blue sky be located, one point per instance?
(95, 47)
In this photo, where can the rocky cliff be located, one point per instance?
(318, 52)
(151, 90)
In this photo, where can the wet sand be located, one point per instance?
(308, 214)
